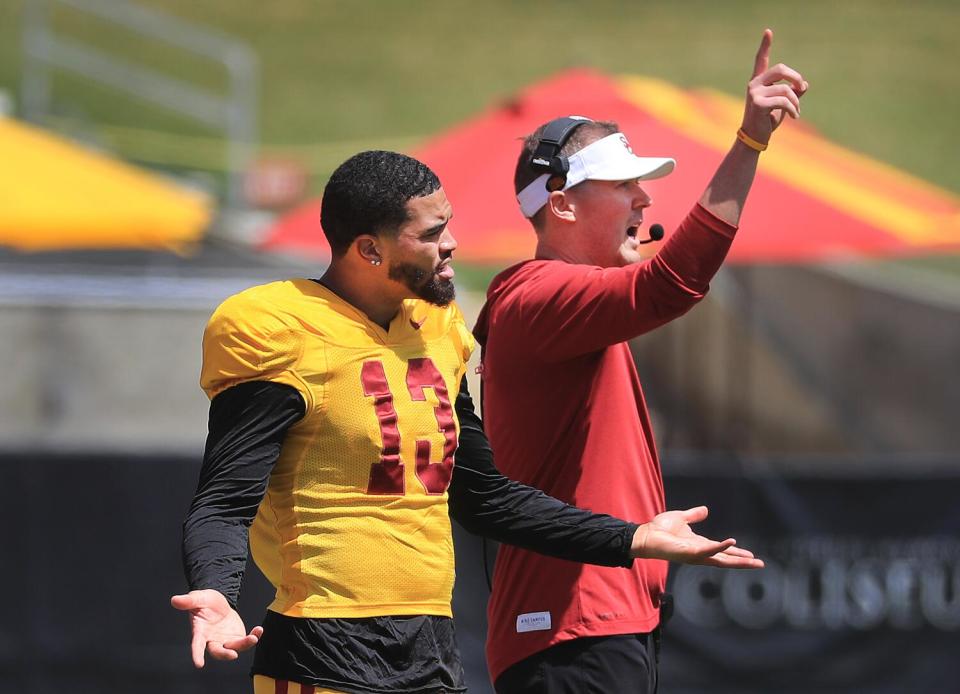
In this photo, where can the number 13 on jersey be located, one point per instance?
(387, 476)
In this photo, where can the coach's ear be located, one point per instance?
(561, 206)
(367, 247)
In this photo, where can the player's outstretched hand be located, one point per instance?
(216, 626)
(669, 536)
(772, 93)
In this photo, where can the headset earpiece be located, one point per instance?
(547, 158)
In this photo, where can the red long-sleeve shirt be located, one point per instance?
(565, 412)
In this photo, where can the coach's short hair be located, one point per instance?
(582, 135)
(368, 194)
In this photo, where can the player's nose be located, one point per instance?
(448, 243)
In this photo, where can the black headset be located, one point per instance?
(547, 158)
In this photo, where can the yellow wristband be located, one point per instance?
(750, 142)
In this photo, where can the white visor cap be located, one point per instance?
(607, 159)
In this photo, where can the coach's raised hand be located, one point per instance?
(669, 536)
(216, 626)
(772, 93)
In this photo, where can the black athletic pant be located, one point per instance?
(596, 665)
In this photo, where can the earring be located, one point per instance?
(375, 262)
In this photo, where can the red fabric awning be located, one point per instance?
(812, 200)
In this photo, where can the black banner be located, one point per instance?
(861, 592)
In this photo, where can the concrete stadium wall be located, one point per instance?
(776, 361)
(83, 376)
(102, 378)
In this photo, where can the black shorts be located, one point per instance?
(595, 665)
(365, 655)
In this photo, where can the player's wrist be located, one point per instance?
(638, 546)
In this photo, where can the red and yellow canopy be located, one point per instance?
(811, 200)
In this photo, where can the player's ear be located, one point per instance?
(561, 206)
(367, 247)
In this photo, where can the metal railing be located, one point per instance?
(233, 113)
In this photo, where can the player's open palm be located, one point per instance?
(669, 536)
(216, 626)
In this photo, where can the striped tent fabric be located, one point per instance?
(812, 199)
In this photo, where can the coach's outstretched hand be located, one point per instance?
(216, 626)
(772, 93)
(669, 536)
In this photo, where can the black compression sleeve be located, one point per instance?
(486, 503)
(247, 425)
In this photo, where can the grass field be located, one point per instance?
(340, 75)
(883, 72)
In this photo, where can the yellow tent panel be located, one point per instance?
(57, 195)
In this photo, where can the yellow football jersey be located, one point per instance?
(354, 522)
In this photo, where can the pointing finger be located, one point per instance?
(762, 60)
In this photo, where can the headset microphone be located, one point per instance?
(656, 233)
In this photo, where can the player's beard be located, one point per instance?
(434, 289)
